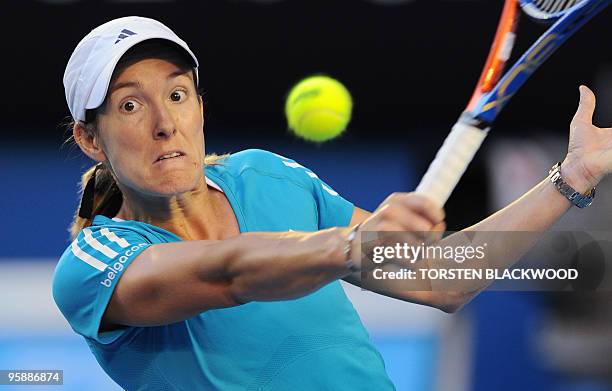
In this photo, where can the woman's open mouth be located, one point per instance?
(169, 156)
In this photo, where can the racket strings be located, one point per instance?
(554, 6)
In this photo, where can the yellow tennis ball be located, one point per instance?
(318, 108)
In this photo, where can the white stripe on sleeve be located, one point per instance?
(292, 164)
(114, 238)
(88, 259)
(327, 189)
(93, 242)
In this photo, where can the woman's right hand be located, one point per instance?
(412, 216)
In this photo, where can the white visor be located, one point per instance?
(93, 61)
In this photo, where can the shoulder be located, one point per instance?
(90, 267)
(257, 159)
(255, 171)
(268, 164)
(97, 250)
(97, 246)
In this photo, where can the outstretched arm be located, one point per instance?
(170, 282)
(588, 160)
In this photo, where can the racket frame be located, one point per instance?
(490, 98)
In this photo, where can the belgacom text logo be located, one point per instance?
(114, 269)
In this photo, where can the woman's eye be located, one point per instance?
(177, 96)
(129, 106)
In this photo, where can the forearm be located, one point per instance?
(272, 266)
(532, 214)
(539, 208)
(511, 232)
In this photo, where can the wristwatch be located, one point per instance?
(580, 200)
(347, 250)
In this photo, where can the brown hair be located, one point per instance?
(99, 192)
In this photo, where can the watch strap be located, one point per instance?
(577, 199)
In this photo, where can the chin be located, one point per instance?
(173, 185)
(171, 189)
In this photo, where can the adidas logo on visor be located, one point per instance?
(124, 34)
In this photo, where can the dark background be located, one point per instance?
(410, 67)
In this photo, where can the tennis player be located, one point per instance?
(189, 271)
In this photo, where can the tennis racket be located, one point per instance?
(494, 90)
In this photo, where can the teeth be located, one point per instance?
(170, 155)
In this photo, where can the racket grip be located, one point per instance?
(450, 162)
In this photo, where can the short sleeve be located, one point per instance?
(333, 209)
(87, 274)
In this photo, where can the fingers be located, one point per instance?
(405, 218)
(411, 212)
(397, 217)
(586, 107)
(423, 206)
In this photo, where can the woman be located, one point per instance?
(184, 272)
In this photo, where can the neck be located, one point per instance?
(201, 214)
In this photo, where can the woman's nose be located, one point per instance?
(164, 126)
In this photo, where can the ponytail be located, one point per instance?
(100, 195)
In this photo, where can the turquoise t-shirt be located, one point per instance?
(316, 342)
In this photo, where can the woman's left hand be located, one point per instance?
(589, 155)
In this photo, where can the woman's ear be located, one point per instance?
(88, 142)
